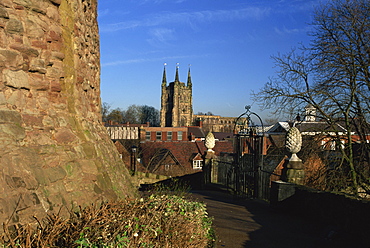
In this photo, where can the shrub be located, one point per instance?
(152, 221)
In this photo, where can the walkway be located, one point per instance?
(253, 224)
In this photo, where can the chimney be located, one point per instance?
(200, 123)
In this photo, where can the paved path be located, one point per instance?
(253, 224)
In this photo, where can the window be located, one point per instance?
(169, 135)
(197, 164)
(158, 136)
(147, 135)
(179, 135)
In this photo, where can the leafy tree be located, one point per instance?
(333, 75)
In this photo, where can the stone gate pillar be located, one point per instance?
(209, 163)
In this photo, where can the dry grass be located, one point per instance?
(157, 220)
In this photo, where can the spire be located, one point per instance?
(177, 73)
(189, 78)
(164, 79)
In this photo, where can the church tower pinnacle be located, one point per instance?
(164, 78)
(189, 84)
(177, 79)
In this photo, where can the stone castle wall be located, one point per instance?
(54, 150)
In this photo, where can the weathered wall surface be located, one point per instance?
(54, 150)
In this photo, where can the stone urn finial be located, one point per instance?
(293, 143)
(210, 141)
(293, 171)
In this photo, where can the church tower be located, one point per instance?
(176, 101)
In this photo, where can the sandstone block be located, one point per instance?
(88, 167)
(55, 174)
(58, 55)
(56, 46)
(65, 136)
(89, 150)
(27, 50)
(37, 65)
(34, 30)
(38, 9)
(54, 36)
(52, 13)
(8, 116)
(54, 72)
(39, 44)
(55, 86)
(56, 2)
(10, 58)
(3, 38)
(31, 199)
(14, 26)
(2, 98)
(32, 120)
(6, 3)
(24, 3)
(16, 79)
(14, 130)
(18, 182)
(48, 121)
(4, 13)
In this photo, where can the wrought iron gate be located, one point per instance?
(248, 175)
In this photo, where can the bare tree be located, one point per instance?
(333, 75)
(149, 114)
(105, 109)
(132, 114)
(115, 116)
(137, 114)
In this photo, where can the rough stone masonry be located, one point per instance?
(54, 151)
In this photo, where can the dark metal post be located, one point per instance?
(133, 161)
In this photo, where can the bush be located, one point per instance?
(152, 221)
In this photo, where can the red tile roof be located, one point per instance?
(184, 151)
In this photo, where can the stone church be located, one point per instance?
(176, 102)
(177, 108)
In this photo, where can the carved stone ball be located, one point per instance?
(293, 140)
(210, 141)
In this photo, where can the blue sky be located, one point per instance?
(228, 44)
